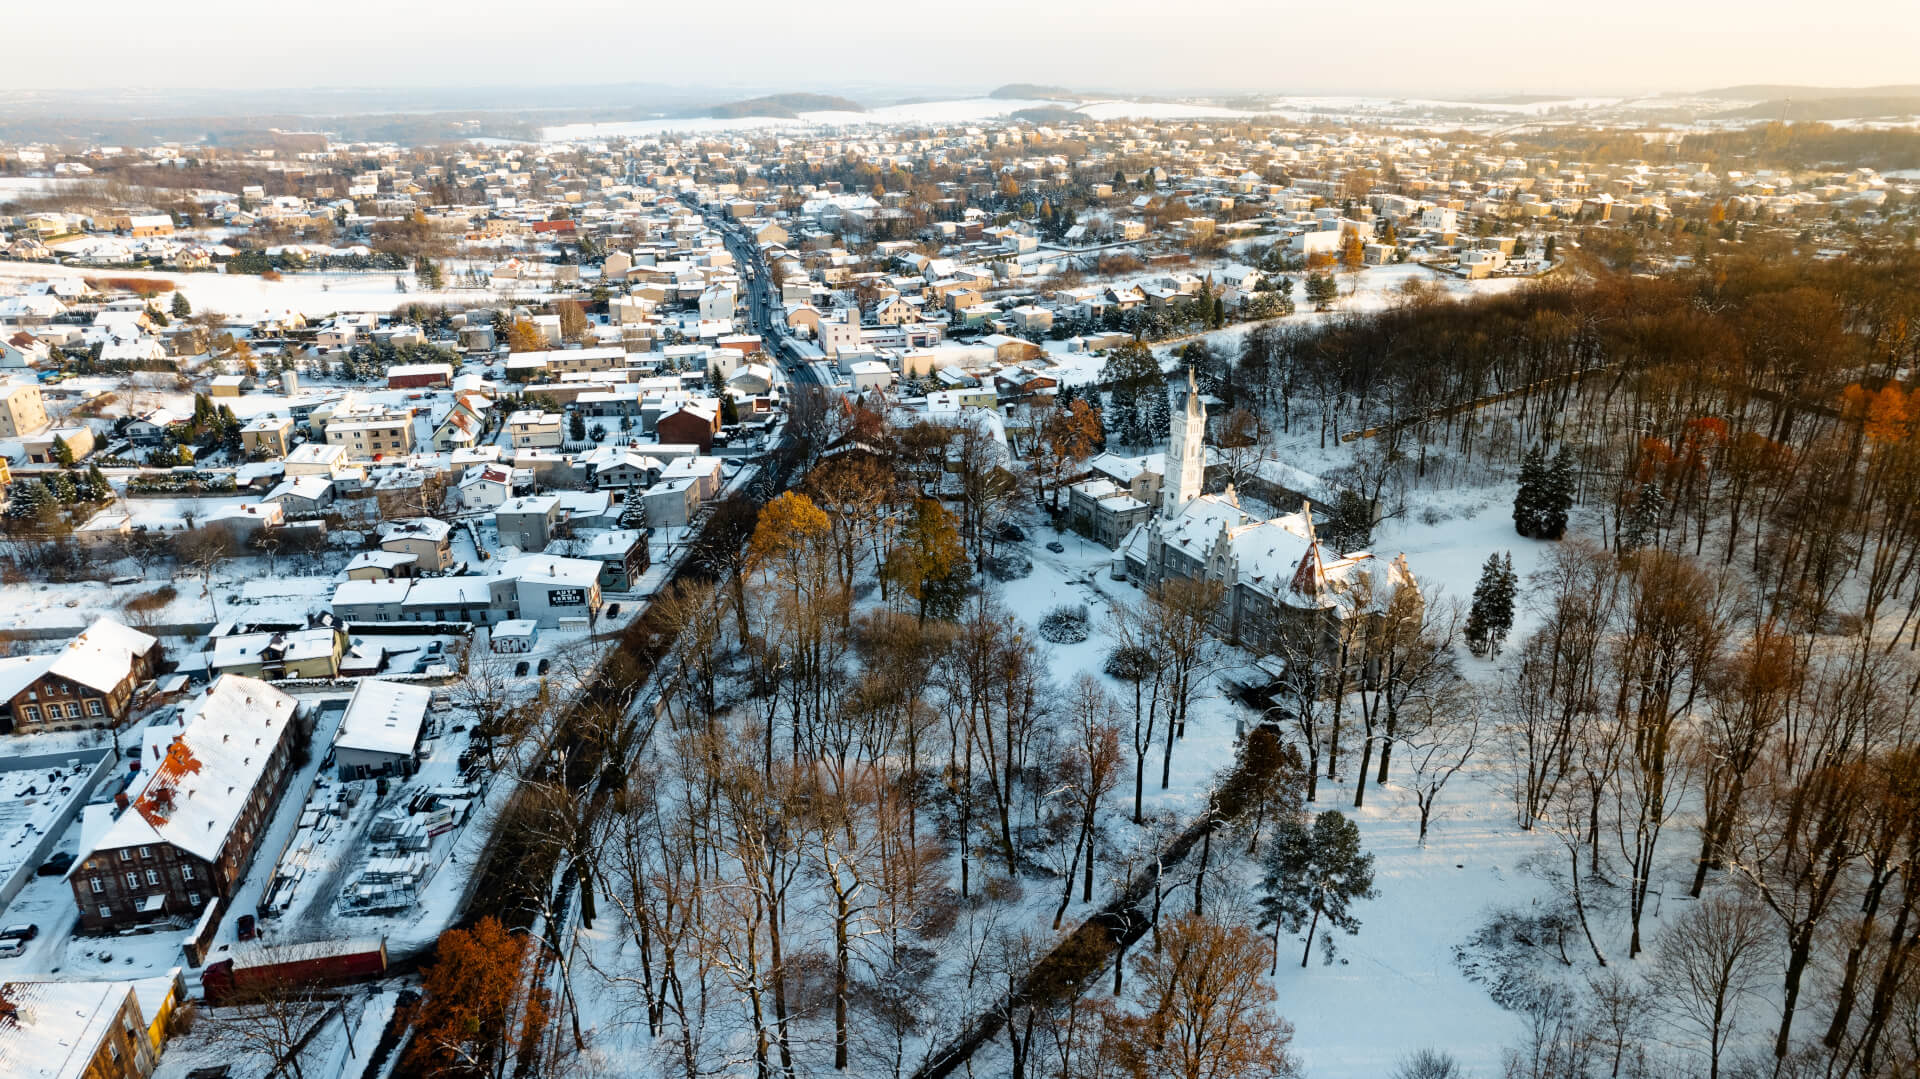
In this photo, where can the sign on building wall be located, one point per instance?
(566, 597)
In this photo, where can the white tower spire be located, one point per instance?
(1186, 453)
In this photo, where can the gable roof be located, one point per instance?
(200, 772)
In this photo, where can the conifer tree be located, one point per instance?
(1556, 496)
(1314, 873)
(181, 308)
(1528, 500)
(1156, 417)
(1490, 617)
(1644, 517)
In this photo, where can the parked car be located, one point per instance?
(14, 938)
(613, 610)
(56, 865)
(246, 927)
(1056, 547)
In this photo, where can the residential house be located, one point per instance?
(22, 411)
(43, 448)
(533, 429)
(88, 683)
(278, 654)
(196, 810)
(622, 554)
(428, 540)
(528, 522)
(86, 1029)
(695, 423)
(267, 436)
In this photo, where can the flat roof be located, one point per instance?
(383, 717)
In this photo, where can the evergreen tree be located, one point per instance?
(1556, 496)
(26, 499)
(62, 453)
(729, 411)
(1313, 873)
(1156, 417)
(577, 427)
(1644, 518)
(99, 489)
(1349, 524)
(426, 273)
(1490, 617)
(60, 487)
(1527, 516)
(633, 513)
(181, 308)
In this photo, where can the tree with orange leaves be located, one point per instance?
(1205, 1010)
(1889, 415)
(483, 1011)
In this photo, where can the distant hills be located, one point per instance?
(1047, 114)
(785, 106)
(1775, 91)
(1797, 109)
(1026, 91)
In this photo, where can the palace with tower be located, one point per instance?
(1275, 574)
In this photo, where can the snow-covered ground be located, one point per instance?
(254, 298)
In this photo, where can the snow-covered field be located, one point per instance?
(254, 298)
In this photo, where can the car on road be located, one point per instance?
(56, 865)
(613, 610)
(1056, 547)
(245, 927)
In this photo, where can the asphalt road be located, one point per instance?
(763, 310)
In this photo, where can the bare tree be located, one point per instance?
(1707, 963)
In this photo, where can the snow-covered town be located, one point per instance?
(1008, 582)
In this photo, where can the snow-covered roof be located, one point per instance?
(198, 775)
(99, 658)
(383, 717)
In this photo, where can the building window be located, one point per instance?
(96, 885)
(186, 872)
(33, 713)
(95, 708)
(193, 899)
(153, 877)
(146, 852)
(106, 912)
(133, 880)
(126, 855)
(73, 709)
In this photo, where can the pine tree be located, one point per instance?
(1491, 616)
(1644, 517)
(1528, 509)
(100, 489)
(60, 488)
(577, 427)
(1313, 874)
(181, 308)
(26, 498)
(62, 453)
(1156, 418)
(1556, 496)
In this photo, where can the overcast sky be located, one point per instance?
(1135, 46)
